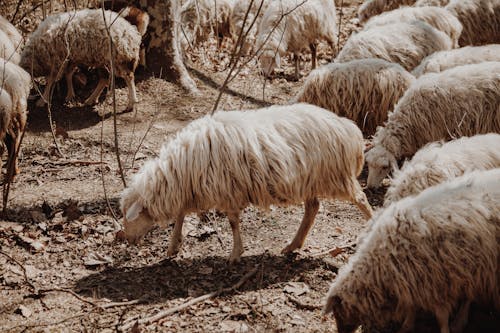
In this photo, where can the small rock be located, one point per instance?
(24, 311)
(296, 288)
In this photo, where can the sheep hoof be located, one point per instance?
(171, 252)
(234, 259)
(289, 249)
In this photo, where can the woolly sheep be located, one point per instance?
(15, 36)
(304, 24)
(371, 8)
(7, 49)
(361, 90)
(17, 84)
(46, 53)
(438, 17)
(201, 17)
(443, 60)
(281, 155)
(438, 3)
(462, 101)
(480, 20)
(436, 252)
(439, 162)
(403, 43)
(238, 20)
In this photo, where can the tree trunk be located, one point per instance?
(163, 56)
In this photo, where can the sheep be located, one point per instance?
(238, 20)
(403, 43)
(480, 20)
(201, 17)
(361, 90)
(436, 252)
(438, 17)
(15, 36)
(438, 3)
(75, 38)
(7, 49)
(462, 101)
(291, 26)
(280, 155)
(374, 7)
(443, 60)
(439, 162)
(16, 82)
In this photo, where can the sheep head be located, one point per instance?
(380, 163)
(136, 223)
(268, 62)
(346, 322)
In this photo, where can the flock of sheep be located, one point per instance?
(422, 77)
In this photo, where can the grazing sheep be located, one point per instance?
(439, 162)
(238, 20)
(15, 36)
(201, 17)
(480, 20)
(462, 101)
(443, 60)
(75, 38)
(7, 49)
(292, 26)
(403, 43)
(374, 7)
(438, 3)
(17, 84)
(438, 17)
(361, 90)
(436, 252)
(281, 155)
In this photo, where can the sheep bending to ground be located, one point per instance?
(374, 7)
(17, 84)
(7, 49)
(292, 26)
(280, 155)
(436, 252)
(80, 38)
(462, 101)
(443, 60)
(437, 17)
(480, 20)
(11, 31)
(440, 162)
(254, 15)
(361, 90)
(403, 43)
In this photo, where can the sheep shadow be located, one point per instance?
(171, 279)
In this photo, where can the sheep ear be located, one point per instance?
(134, 211)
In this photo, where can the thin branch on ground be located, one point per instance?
(303, 306)
(25, 274)
(162, 314)
(69, 291)
(117, 304)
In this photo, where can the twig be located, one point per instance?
(340, 24)
(335, 251)
(75, 162)
(116, 304)
(162, 314)
(32, 287)
(69, 291)
(304, 306)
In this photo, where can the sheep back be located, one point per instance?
(371, 8)
(11, 31)
(7, 49)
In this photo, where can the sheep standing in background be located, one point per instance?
(17, 84)
(361, 90)
(402, 43)
(238, 20)
(201, 17)
(440, 162)
(443, 60)
(7, 49)
(292, 26)
(374, 7)
(480, 20)
(14, 35)
(281, 155)
(438, 17)
(75, 38)
(436, 252)
(462, 101)
(438, 3)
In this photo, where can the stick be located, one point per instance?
(304, 306)
(163, 314)
(32, 287)
(69, 291)
(116, 304)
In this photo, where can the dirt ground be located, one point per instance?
(61, 268)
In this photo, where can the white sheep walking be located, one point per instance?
(436, 252)
(462, 101)
(281, 155)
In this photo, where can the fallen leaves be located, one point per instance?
(96, 259)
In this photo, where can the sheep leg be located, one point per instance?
(361, 200)
(312, 46)
(132, 94)
(461, 319)
(442, 316)
(311, 209)
(297, 65)
(70, 95)
(94, 97)
(234, 220)
(47, 92)
(11, 143)
(176, 237)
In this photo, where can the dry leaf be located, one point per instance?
(71, 211)
(33, 243)
(296, 288)
(5, 226)
(24, 311)
(233, 326)
(336, 251)
(135, 328)
(95, 259)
